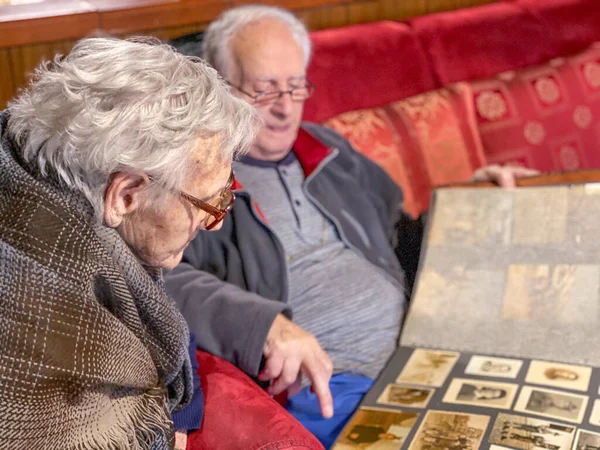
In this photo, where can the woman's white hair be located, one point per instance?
(217, 37)
(115, 105)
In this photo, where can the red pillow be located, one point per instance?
(240, 415)
(422, 141)
(546, 117)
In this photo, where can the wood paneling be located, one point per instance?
(30, 33)
(162, 16)
(365, 11)
(327, 17)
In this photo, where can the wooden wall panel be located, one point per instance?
(163, 16)
(25, 42)
(327, 17)
(7, 86)
(365, 11)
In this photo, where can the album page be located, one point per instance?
(429, 399)
(510, 272)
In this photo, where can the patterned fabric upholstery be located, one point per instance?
(544, 117)
(421, 142)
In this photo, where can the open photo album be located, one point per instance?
(500, 348)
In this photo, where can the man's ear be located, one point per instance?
(123, 195)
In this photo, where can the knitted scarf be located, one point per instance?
(93, 353)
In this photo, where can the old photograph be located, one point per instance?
(551, 403)
(452, 431)
(528, 433)
(428, 367)
(487, 394)
(587, 440)
(379, 428)
(595, 415)
(488, 366)
(411, 396)
(565, 376)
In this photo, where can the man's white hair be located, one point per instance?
(217, 37)
(115, 105)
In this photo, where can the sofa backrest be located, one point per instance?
(369, 65)
(363, 66)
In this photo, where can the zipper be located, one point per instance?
(278, 244)
(327, 214)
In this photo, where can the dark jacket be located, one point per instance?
(232, 319)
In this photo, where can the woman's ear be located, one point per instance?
(123, 196)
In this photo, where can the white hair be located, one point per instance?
(114, 105)
(217, 37)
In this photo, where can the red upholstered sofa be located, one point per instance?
(432, 99)
(514, 82)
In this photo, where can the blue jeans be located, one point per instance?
(347, 391)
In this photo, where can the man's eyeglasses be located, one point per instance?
(297, 94)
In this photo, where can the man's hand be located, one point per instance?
(289, 352)
(503, 176)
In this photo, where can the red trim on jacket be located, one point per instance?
(236, 186)
(310, 151)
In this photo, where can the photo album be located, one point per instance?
(500, 348)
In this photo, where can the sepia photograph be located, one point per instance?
(488, 366)
(551, 403)
(487, 394)
(527, 433)
(449, 430)
(383, 429)
(428, 367)
(595, 415)
(587, 440)
(565, 376)
(411, 396)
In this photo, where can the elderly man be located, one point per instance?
(312, 234)
(110, 163)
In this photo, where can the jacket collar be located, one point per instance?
(309, 151)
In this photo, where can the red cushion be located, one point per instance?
(482, 41)
(576, 22)
(423, 141)
(544, 117)
(240, 415)
(364, 66)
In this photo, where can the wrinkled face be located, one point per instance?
(159, 236)
(266, 59)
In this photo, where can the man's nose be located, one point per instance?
(283, 105)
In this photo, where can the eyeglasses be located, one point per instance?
(297, 94)
(217, 214)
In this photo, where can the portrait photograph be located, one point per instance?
(487, 366)
(487, 394)
(428, 367)
(587, 440)
(550, 403)
(564, 376)
(376, 428)
(527, 433)
(411, 396)
(456, 431)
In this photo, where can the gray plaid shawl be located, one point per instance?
(93, 354)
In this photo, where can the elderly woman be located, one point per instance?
(110, 163)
